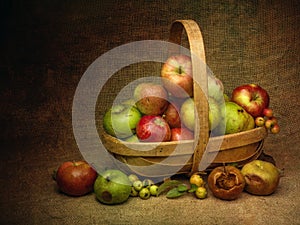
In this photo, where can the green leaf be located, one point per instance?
(193, 188)
(182, 188)
(174, 193)
(167, 185)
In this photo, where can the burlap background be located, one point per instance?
(46, 47)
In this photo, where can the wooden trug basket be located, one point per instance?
(184, 157)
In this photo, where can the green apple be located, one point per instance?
(188, 117)
(112, 187)
(214, 113)
(120, 120)
(215, 88)
(237, 119)
(262, 178)
(130, 102)
(187, 114)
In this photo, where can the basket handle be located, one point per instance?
(200, 83)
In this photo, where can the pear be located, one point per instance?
(237, 119)
(112, 187)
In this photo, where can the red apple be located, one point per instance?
(151, 98)
(181, 133)
(75, 178)
(253, 98)
(153, 129)
(267, 112)
(172, 116)
(177, 74)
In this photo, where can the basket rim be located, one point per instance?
(245, 137)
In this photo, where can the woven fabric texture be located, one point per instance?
(46, 46)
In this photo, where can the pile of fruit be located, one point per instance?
(113, 186)
(165, 111)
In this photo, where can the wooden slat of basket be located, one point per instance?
(200, 83)
(166, 149)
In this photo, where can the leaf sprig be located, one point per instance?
(175, 188)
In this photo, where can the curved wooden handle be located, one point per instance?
(200, 83)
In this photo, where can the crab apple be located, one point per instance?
(197, 180)
(138, 185)
(153, 190)
(270, 122)
(267, 112)
(201, 192)
(145, 193)
(259, 121)
(275, 129)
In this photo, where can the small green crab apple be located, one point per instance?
(144, 193)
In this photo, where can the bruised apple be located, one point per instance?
(151, 98)
(153, 129)
(262, 178)
(75, 178)
(226, 182)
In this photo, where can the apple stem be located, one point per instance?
(180, 70)
(225, 171)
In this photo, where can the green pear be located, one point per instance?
(237, 119)
(112, 187)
